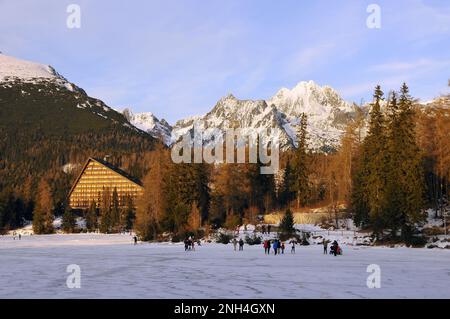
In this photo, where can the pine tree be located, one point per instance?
(369, 185)
(115, 211)
(91, 217)
(68, 221)
(105, 212)
(300, 164)
(411, 173)
(286, 191)
(128, 214)
(287, 223)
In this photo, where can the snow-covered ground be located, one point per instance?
(112, 267)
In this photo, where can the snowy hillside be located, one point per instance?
(13, 69)
(26, 82)
(149, 123)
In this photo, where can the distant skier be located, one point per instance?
(275, 246)
(325, 246)
(186, 244)
(235, 242)
(135, 240)
(282, 248)
(241, 244)
(20, 236)
(193, 244)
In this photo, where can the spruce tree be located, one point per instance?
(287, 223)
(300, 164)
(105, 212)
(128, 214)
(410, 166)
(91, 217)
(369, 185)
(286, 191)
(68, 221)
(115, 211)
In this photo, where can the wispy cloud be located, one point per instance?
(420, 64)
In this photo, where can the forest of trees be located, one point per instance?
(390, 166)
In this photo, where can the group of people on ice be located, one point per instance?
(277, 245)
(240, 242)
(189, 243)
(335, 249)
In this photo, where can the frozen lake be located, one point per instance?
(111, 267)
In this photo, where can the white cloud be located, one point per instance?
(400, 66)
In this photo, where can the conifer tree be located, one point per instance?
(128, 214)
(287, 223)
(91, 217)
(410, 166)
(115, 211)
(105, 212)
(151, 205)
(300, 164)
(368, 198)
(286, 191)
(68, 220)
(43, 214)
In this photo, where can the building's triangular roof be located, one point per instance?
(109, 166)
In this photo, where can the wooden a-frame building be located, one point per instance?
(98, 176)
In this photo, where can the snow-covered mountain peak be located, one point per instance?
(13, 67)
(149, 123)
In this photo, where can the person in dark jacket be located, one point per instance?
(275, 246)
(241, 244)
(282, 248)
(334, 248)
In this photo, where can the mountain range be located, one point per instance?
(327, 112)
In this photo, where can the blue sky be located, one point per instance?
(176, 58)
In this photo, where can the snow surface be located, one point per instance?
(112, 267)
(13, 67)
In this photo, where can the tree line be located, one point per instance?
(385, 172)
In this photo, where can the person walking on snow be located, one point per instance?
(266, 245)
(241, 244)
(293, 246)
(275, 246)
(325, 246)
(282, 248)
(235, 243)
(135, 240)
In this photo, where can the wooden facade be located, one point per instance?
(97, 177)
